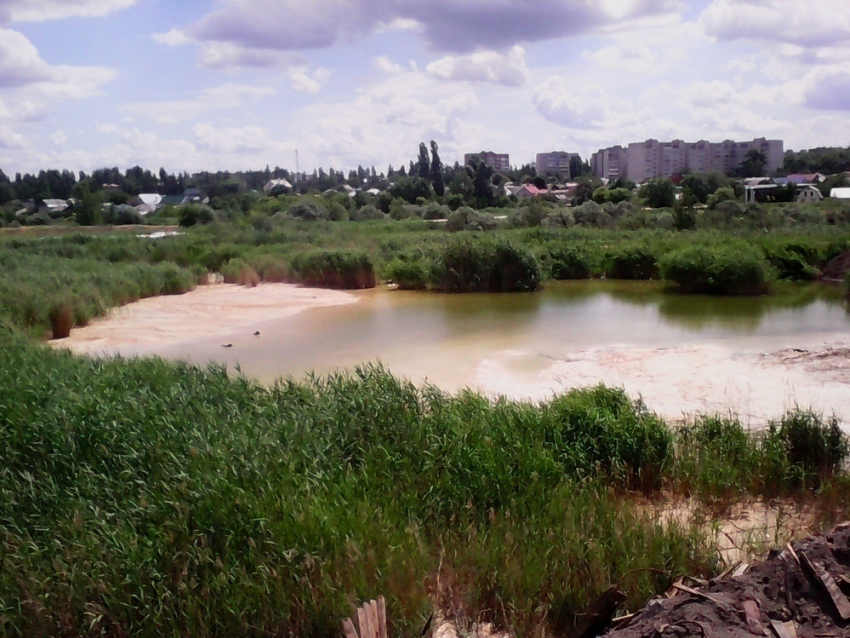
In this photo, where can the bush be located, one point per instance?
(237, 271)
(61, 317)
(469, 219)
(308, 211)
(569, 262)
(722, 270)
(485, 266)
(409, 275)
(810, 448)
(334, 269)
(632, 260)
(367, 213)
(194, 214)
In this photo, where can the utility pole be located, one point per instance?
(297, 168)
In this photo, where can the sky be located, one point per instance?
(193, 85)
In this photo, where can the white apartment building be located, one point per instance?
(556, 163)
(610, 163)
(651, 159)
(500, 162)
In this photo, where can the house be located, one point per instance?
(806, 178)
(277, 184)
(757, 181)
(192, 196)
(528, 191)
(840, 193)
(151, 202)
(54, 206)
(809, 193)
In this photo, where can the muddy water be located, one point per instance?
(682, 354)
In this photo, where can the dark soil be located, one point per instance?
(783, 589)
(837, 269)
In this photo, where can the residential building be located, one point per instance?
(528, 191)
(610, 163)
(500, 162)
(651, 159)
(840, 193)
(273, 184)
(809, 193)
(556, 163)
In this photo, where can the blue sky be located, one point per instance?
(239, 84)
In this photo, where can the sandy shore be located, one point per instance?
(678, 383)
(206, 312)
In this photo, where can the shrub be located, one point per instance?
(409, 275)
(194, 214)
(367, 213)
(632, 260)
(724, 270)
(485, 266)
(810, 448)
(569, 262)
(61, 316)
(342, 270)
(308, 211)
(237, 271)
(469, 219)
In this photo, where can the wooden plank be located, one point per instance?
(784, 629)
(740, 570)
(348, 629)
(372, 612)
(365, 629)
(842, 605)
(699, 594)
(382, 617)
(753, 613)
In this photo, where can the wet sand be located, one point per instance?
(208, 312)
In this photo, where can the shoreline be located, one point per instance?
(208, 311)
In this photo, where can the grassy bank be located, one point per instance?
(81, 275)
(148, 498)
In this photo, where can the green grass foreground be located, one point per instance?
(145, 498)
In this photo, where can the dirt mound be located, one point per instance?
(799, 592)
(837, 269)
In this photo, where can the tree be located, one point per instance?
(424, 166)
(87, 209)
(411, 188)
(659, 193)
(753, 165)
(437, 171)
(483, 191)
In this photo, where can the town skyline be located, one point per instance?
(238, 85)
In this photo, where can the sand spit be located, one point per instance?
(206, 312)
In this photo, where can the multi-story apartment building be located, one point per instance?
(500, 162)
(650, 159)
(556, 163)
(610, 163)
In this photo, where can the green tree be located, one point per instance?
(659, 193)
(411, 189)
(483, 191)
(423, 168)
(88, 208)
(753, 165)
(437, 171)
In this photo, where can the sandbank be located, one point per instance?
(207, 312)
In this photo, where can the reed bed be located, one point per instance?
(139, 497)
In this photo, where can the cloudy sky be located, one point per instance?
(239, 84)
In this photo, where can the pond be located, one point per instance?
(682, 354)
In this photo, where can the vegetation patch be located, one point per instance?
(487, 266)
(728, 270)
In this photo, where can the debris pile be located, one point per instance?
(837, 269)
(799, 592)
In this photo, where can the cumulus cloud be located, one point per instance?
(172, 38)
(449, 25)
(820, 23)
(484, 66)
(385, 65)
(41, 10)
(227, 96)
(230, 140)
(587, 106)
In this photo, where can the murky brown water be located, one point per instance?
(681, 353)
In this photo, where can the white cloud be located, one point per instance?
(58, 138)
(580, 105)
(172, 38)
(41, 10)
(384, 64)
(227, 96)
(635, 58)
(484, 66)
(814, 24)
(306, 82)
(208, 138)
